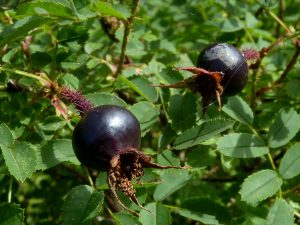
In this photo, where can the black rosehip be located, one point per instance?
(227, 59)
(221, 70)
(108, 138)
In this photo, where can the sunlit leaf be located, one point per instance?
(20, 159)
(281, 213)
(158, 215)
(242, 145)
(260, 186)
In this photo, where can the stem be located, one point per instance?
(111, 202)
(271, 161)
(281, 11)
(279, 21)
(253, 130)
(9, 190)
(291, 190)
(289, 66)
(253, 84)
(26, 74)
(89, 178)
(128, 25)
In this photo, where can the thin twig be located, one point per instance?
(91, 182)
(111, 202)
(128, 26)
(280, 16)
(294, 189)
(289, 66)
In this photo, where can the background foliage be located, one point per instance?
(245, 160)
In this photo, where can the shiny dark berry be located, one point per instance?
(108, 138)
(227, 59)
(104, 132)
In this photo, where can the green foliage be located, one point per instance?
(81, 205)
(259, 186)
(242, 145)
(242, 164)
(280, 213)
(11, 214)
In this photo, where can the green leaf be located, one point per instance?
(142, 86)
(242, 145)
(153, 67)
(260, 186)
(198, 216)
(69, 80)
(52, 123)
(54, 153)
(254, 220)
(239, 110)
(82, 205)
(167, 136)
(198, 134)
(284, 128)
(21, 28)
(251, 20)
(172, 180)
(292, 88)
(168, 158)
(182, 111)
(232, 25)
(290, 163)
(6, 136)
(125, 219)
(11, 214)
(146, 113)
(158, 215)
(20, 159)
(281, 213)
(105, 99)
(63, 151)
(201, 157)
(44, 8)
(107, 9)
(207, 207)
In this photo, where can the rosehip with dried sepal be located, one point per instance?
(108, 138)
(221, 71)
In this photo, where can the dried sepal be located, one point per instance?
(207, 83)
(126, 167)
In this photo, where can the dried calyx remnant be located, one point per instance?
(221, 71)
(128, 166)
(107, 138)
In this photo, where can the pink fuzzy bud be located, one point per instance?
(81, 103)
(250, 54)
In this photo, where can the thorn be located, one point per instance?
(195, 70)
